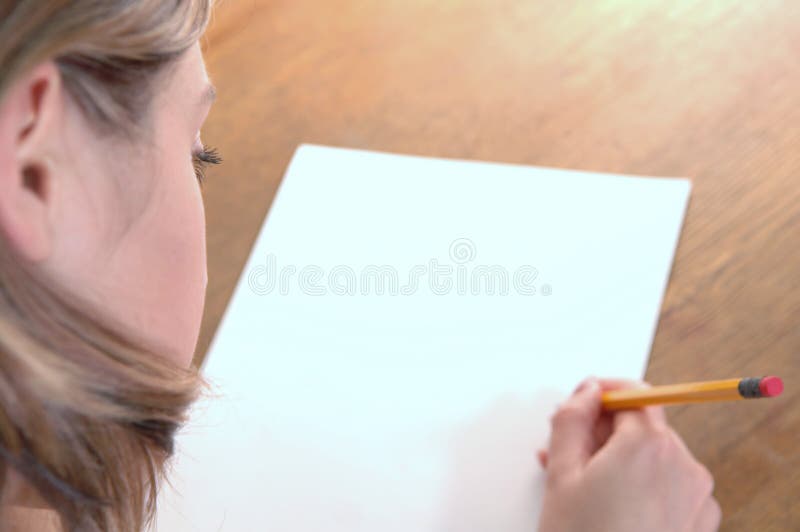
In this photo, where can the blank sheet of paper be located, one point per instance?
(401, 333)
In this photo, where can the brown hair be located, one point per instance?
(86, 416)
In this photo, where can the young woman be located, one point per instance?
(102, 251)
(102, 280)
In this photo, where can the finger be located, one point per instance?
(607, 385)
(604, 426)
(709, 518)
(572, 438)
(541, 455)
(655, 415)
(629, 421)
(605, 423)
(619, 384)
(603, 429)
(651, 416)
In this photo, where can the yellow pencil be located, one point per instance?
(693, 392)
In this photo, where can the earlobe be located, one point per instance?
(30, 111)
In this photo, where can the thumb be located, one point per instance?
(572, 438)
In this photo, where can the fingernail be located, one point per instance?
(584, 383)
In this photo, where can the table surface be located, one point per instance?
(707, 90)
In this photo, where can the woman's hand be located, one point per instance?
(622, 472)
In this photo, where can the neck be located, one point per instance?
(17, 491)
(23, 508)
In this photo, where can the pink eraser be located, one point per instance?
(770, 386)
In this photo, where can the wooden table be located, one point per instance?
(708, 90)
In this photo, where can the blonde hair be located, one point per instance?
(86, 416)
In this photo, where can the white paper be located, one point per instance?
(420, 409)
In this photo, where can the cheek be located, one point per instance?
(130, 239)
(180, 255)
(159, 271)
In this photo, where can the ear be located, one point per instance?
(30, 112)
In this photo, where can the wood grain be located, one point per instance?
(704, 89)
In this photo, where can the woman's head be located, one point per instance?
(102, 253)
(100, 114)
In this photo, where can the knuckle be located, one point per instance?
(705, 480)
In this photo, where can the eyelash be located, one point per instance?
(202, 159)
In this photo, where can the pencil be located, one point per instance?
(693, 392)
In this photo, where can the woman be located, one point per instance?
(102, 260)
(102, 280)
